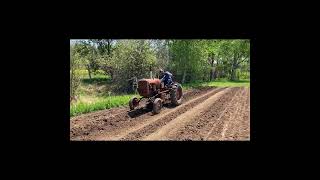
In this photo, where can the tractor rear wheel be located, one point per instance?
(157, 104)
(176, 94)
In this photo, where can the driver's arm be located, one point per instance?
(164, 77)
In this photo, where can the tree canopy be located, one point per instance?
(188, 60)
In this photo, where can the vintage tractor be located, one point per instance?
(157, 94)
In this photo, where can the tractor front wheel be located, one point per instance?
(134, 102)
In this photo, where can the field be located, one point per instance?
(207, 113)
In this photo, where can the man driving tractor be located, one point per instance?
(166, 77)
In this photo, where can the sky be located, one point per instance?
(72, 41)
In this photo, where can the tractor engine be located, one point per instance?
(147, 87)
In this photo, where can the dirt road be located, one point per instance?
(206, 114)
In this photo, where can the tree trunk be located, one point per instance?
(109, 47)
(212, 69)
(233, 72)
(233, 75)
(89, 71)
(111, 75)
(212, 72)
(184, 76)
(216, 72)
(233, 68)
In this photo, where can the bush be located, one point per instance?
(133, 58)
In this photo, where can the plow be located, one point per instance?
(156, 94)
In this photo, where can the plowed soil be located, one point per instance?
(206, 114)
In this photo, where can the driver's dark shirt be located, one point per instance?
(167, 78)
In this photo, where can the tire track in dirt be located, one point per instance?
(236, 109)
(196, 126)
(238, 127)
(221, 124)
(131, 132)
(104, 125)
(165, 118)
(173, 126)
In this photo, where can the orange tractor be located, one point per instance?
(157, 94)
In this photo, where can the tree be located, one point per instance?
(88, 55)
(132, 58)
(212, 48)
(233, 53)
(74, 75)
(103, 45)
(240, 54)
(104, 56)
(188, 59)
(161, 50)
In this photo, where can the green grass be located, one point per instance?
(98, 85)
(94, 93)
(99, 103)
(218, 83)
